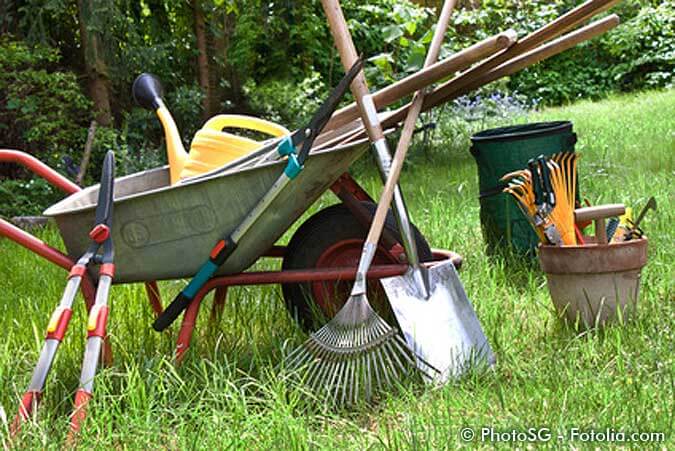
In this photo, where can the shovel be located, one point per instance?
(437, 319)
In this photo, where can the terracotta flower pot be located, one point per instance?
(594, 285)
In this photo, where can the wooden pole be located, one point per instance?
(84, 164)
(447, 92)
(427, 76)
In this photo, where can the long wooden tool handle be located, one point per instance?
(418, 99)
(345, 46)
(408, 128)
(348, 55)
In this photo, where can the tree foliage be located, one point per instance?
(275, 59)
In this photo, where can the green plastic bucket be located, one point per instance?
(502, 150)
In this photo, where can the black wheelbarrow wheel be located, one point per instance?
(331, 238)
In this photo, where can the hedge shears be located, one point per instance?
(100, 252)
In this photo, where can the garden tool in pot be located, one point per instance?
(100, 252)
(635, 231)
(304, 138)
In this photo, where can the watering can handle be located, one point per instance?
(147, 91)
(221, 121)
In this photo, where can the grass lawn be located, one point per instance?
(227, 395)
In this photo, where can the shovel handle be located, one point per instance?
(349, 56)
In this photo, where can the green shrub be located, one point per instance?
(286, 102)
(42, 109)
(27, 197)
(644, 49)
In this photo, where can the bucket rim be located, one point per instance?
(520, 131)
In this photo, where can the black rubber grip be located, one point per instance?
(549, 194)
(169, 315)
(536, 182)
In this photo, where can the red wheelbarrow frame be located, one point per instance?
(345, 188)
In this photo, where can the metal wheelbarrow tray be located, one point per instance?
(164, 232)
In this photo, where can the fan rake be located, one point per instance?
(354, 356)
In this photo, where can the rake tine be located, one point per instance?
(385, 373)
(352, 381)
(313, 377)
(359, 374)
(295, 357)
(391, 367)
(327, 366)
(344, 376)
(345, 382)
(392, 357)
(367, 384)
(340, 371)
(401, 345)
(332, 369)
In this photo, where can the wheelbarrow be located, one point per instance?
(163, 231)
(166, 222)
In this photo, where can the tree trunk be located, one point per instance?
(9, 18)
(203, 56)
(220, 70)
(94, 63)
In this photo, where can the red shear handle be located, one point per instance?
(82, 398)
(28, 402)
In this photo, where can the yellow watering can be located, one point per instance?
(211, 147)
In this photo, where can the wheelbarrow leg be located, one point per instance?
(219, 297)
(154, 297)
(187, 327)
(96, 333)
(56, 330)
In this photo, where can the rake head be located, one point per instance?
(355, 355)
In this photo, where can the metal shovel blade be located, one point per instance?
(443, 330)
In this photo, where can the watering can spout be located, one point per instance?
(174, 146)
(147, 92)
